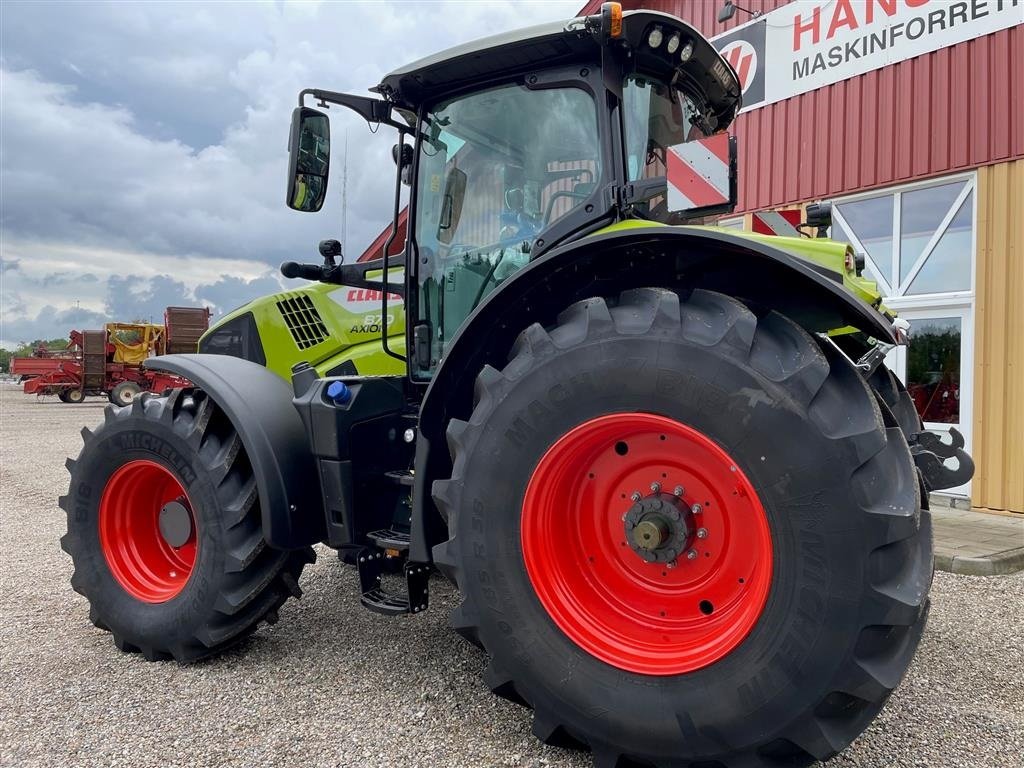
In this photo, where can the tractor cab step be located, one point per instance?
(386, 603)
(390, 539)
(378, 599)
(403, 477)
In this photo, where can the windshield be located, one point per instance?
(496, 169)
(657, 116)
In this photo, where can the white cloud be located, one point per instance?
(84, 271)
(147, 141)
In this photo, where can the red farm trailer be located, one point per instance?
(111, 361)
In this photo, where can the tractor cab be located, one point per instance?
(516, 144)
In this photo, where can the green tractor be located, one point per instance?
(681, 497)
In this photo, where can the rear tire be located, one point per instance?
(234, 580)
(850, 548)
(124, 393)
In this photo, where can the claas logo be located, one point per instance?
(363, 300)
(364, 295)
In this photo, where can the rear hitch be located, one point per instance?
(930, 454)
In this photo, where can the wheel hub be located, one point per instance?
(175, 523)
(148, 532)
(660, 527)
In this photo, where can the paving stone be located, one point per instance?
(977, 543)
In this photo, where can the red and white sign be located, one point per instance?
(698, 173)
(780, 223)
(808, 44)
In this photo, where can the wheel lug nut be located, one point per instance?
(691, 555)
(678, 491)
(655, 487)
(670, 564)
(702, 533)
(635, 496)
(696, 509)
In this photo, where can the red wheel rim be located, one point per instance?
(142, 561)
(584, 564)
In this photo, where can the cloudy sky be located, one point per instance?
(143, 145)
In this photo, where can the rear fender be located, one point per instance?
(633, 256)
(259, 404)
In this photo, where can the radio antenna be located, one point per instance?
(344, 197)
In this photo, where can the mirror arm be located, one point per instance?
(371, 110)
(354, 275)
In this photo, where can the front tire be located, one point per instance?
(164, 529)
(676, 676)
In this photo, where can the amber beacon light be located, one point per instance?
(611, 19)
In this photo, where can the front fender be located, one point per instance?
(630, 255)
(259, 405)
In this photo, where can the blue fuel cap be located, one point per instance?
(339, 392)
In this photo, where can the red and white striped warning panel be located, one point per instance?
(781, 223)
(698, 173)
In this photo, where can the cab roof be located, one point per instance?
(561, 43)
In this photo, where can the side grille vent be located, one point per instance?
(302, 319)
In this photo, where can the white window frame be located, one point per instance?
(897, 298)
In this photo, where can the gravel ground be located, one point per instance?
(334, 685)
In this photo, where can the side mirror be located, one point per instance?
(309, 159)
(402, 155)
(701, 176)
(451, 205)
